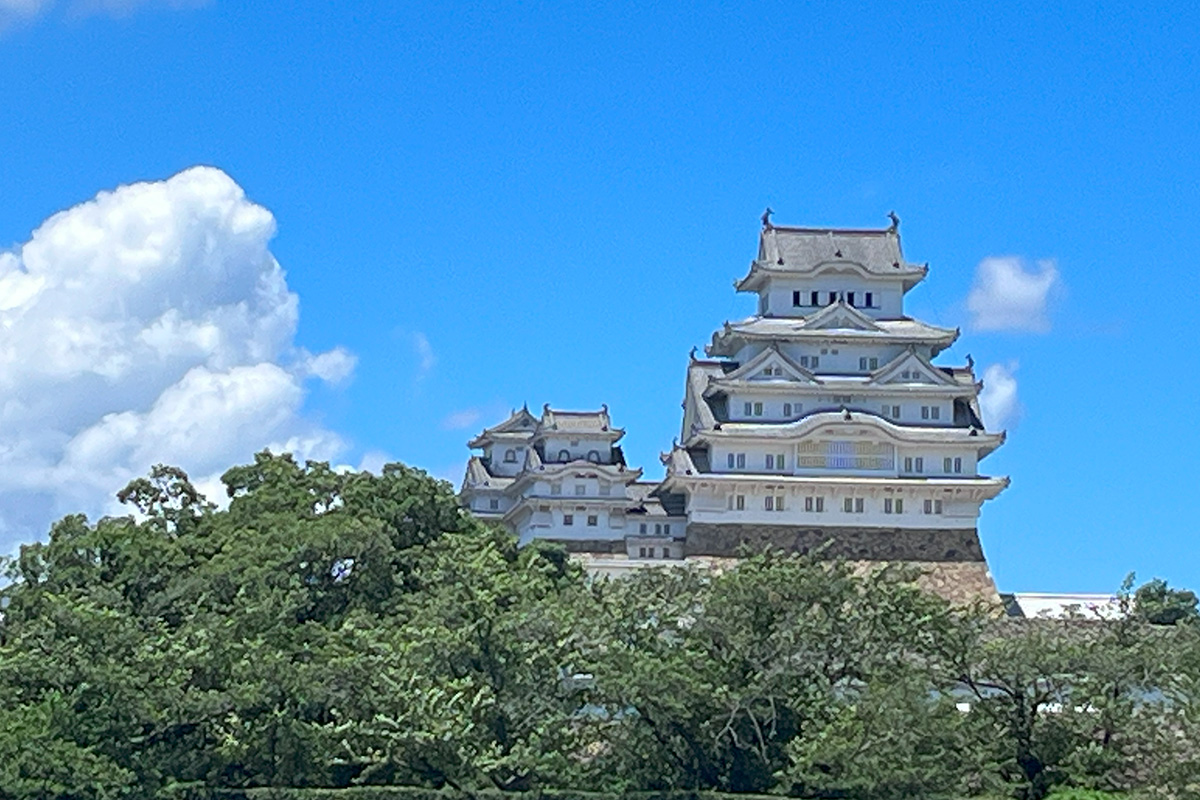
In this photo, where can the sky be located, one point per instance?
(362, 232)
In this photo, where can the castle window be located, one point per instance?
(556, 488)
(833, 297)
(958, 465)
(606, 490)
(741, 460)
(564, 455)
(568, 519)
(593, 519)
(870, 300)
(853, 505)
(641, 552)
(729, 461)
(737, 502)
(666, 529)
(510, 456)
(814, 503)
(758, 409)
(919, 463)
(580, 489)
(642, 528)
(850, 298)
(594, 456)
(933, 506)
(924, 412)
(891, 506)
(796, 298)
(494, 504)
(666, 552)
(787, 409)
(813, 300)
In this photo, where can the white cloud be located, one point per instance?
(426, 358)
(18, 10)
(1008, 297)
(998, 401)
(149, 324)
(334, 366)
(460, 420)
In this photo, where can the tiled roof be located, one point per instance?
(576, 421)
(800, 249)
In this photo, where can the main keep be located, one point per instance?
(819, 424)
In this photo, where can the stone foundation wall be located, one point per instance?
(852, 544)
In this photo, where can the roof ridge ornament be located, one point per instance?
(766, 219)
(895, 221)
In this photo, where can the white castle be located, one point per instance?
(820, 423)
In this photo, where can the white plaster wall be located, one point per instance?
(496, 463)
(756, 453)
(811, 399)
(957, 511)
(887, 295)
(578, 447)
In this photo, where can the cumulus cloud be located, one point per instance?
(998, 401)
(149, 324)
(1006, 296)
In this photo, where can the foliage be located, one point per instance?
(346, 630)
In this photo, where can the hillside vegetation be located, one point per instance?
(334, 630)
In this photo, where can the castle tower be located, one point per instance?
(562, 477)
(822, 421)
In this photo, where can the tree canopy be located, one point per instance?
(331, 628)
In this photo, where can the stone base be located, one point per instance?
(851, 544)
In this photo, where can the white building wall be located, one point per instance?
(722, 506)
(887, 296)
(578, 447)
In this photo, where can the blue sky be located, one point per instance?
(483, 205)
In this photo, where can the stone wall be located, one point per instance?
(852, 544)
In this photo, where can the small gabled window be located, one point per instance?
(593, 456)
(564, 455)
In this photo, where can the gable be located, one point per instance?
(771, 365)
(911, 368)
(840, 316)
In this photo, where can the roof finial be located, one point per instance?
(895, 221)
(970, 363)
(692, 355)
(766, 219)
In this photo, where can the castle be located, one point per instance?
(821, 423)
